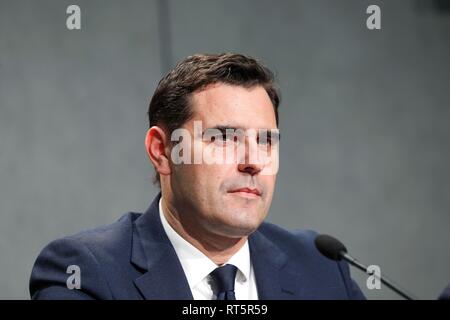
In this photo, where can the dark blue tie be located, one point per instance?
(224, 279)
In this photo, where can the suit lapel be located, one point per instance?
(152, 252)
(163, 276)
(273, 283)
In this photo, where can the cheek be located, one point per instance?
(268, 182)
(216, 174)
(187, 179)
(201, 178)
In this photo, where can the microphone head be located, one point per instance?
(330, 247)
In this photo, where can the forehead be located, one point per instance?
(234, 105)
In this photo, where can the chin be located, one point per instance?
(238, 223)
(235, 232)
(242, 229)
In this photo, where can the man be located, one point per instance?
(213, 141)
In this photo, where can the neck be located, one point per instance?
(216, 247)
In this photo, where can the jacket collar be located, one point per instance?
(163, 276)
(269, 262)
(152, 252)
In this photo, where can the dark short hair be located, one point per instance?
(169, 106)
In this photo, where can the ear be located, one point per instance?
(155, 145)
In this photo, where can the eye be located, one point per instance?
(267, 138)
(223, 137)
(264, 141)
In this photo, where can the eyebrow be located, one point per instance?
(224, 127)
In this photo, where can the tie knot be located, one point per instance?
(224, 277)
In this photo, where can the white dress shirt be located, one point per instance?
(197, 267)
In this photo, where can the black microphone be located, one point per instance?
(333, 249)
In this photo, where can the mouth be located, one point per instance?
(247, 192)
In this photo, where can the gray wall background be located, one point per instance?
(365, 121)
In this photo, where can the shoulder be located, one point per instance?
(106, 238)
(93, 252)
(112, 239)
(298, 246)
(300, 249)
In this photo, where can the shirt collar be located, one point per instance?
(196, 264)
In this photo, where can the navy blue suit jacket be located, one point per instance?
(445, 295)
(133, 259)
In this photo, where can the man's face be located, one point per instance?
(204, 193)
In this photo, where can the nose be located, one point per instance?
(251, 162)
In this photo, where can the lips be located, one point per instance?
(248, 190)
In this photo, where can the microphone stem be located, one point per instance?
(383, 279)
